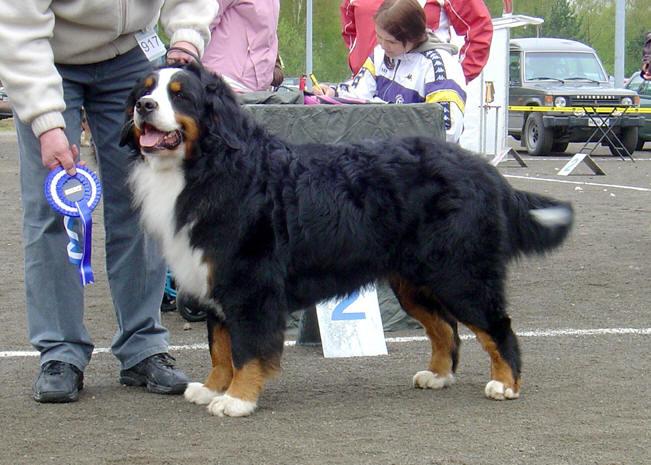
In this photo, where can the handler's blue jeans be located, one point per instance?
(135, 269)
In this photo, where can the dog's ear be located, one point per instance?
(223, 113)
(127, 135)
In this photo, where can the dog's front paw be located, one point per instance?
(498, 391)
(198, 394)
(231, 406)
(429, 380)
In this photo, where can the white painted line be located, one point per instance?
(596, 184)
(532, 333)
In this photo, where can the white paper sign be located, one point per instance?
(152, 46)
(352, 327)
(569, 167)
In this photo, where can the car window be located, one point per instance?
(645, 89)
(634, 82)
(639, 85)
(514, 69)
(562, 65)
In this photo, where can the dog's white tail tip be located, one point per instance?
(552, 216)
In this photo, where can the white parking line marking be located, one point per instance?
(532, 333)
(583, 183)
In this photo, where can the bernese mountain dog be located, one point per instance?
(255, 227)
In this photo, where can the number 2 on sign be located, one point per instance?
(339, 313)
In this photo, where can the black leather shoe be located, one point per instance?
(58, 382)
(158, 374)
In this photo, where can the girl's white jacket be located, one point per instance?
(429, 73)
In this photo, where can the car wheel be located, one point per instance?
(189, 308)
(537, 138)
(628, 137)
(640, 144)
(559, 147)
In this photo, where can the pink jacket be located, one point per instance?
(243, 43)
(470, 19)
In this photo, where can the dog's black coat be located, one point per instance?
(284, 226)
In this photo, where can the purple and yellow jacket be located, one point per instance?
(429, 73)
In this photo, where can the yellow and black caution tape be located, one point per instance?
(580, 110)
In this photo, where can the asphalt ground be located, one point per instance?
(582, 313)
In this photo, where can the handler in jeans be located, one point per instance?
(56, 56)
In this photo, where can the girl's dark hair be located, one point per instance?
(403, 19)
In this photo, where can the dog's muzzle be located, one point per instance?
(146, 105)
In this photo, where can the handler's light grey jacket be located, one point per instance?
(35, 34)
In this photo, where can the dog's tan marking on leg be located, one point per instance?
(440, 334)
(503, 384)
(249, 381)
(241, 397)
(221, 375)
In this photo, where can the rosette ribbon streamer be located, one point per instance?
(76, 197)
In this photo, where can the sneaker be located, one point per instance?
(58, 382)
(158, 374)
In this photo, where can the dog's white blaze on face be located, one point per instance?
(164, 118)
(156, 191)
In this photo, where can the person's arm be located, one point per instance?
(348, 28)
(27, 64)
(187, 23)
(363, 85)
(450, 91)
(472, 20)
(32, 82)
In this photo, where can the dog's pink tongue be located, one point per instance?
(151, 137)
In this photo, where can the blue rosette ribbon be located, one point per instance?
(75, 197)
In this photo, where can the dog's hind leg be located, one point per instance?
(221, 375)
(501, 344)
(480, 305)
(441, 329)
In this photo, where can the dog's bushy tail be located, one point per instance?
(536, 224)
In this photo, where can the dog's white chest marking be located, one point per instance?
(156, 188)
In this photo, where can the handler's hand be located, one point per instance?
(57, 151)
(323, 90)
(178, 56)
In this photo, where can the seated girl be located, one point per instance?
(409, 66)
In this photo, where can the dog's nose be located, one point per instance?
(146, 105)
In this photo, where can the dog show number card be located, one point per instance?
(352, 327)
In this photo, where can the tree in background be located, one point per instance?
(328, 49)
(593, 21)
(562, 22)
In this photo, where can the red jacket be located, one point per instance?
(469, 18)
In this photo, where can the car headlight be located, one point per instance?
(560, 102)
(627, 101)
